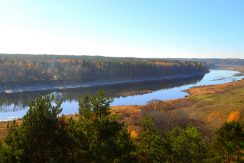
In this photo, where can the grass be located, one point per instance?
(210, 106)
(3, 129)
(213, 108)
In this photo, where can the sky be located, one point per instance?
(131, 28)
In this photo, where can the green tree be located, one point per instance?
(3, 151)
(187, 145)
(151, 146)
(98, 105)
(229, 141)
(107, 139)
(43, 136)
(38, 138)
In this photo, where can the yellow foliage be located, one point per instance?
(160, 63)
(133, 134)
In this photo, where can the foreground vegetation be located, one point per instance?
(95, 135)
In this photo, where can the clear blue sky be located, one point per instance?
(136, 28)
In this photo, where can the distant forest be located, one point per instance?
(66, 68)
(213, 62)
(236, 62)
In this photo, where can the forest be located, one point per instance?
(235, 62)
(96, 135)
(60, 68)
(215, 62)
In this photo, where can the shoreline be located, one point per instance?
(62, 86)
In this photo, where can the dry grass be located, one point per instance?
(3, 129)
(130, 115)
(231, 67)
(214, 89)
(208, 106)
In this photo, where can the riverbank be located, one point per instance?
(231, 67)
(61, 86)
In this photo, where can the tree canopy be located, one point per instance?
(96, 135)
(55, 68)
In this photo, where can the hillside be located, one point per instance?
(216, 62)
(56, 68)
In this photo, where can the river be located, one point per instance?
(15, 105)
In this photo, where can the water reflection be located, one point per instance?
(15, 101)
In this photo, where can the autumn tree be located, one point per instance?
(54, 68)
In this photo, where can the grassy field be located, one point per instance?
(212, 105)
(207, 106)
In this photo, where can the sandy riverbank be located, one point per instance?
(17, 88)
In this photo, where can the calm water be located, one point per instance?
(15, 105)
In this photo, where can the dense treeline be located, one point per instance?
(95, 135)
(213, 62)
(47, 68)
(222, 61)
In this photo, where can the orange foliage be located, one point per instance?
(234, 116)
(133, 134)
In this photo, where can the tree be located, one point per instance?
(96, 135)
(107, 139)
(38, 138)
(187, 145)
(53, 68)
(43, 136)
(99, 105)
(229, 141)
(2, 151)
(151, 146)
